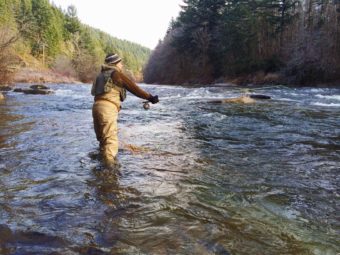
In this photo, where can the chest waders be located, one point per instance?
(104, 117)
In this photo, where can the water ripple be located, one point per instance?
(192, 178)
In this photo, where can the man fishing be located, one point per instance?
(109, 90)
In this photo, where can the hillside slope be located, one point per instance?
(36, 35)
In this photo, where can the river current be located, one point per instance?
(193, 177)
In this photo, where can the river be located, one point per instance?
(193, 177)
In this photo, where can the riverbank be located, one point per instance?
(33, 75)
(39, 75)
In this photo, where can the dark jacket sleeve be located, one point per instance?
(132, 87)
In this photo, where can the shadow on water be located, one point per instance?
(11, 124)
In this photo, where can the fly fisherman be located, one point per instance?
(109, 90)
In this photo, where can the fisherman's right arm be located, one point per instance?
(133, 87)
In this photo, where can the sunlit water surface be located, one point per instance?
(193, 177)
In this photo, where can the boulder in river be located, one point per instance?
(35, 90)
(259, 96)
(241, 99)
(246, 99)
(2, 97)
(18, 90)
(39, 86)
(5, 88)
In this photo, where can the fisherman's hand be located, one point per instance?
(153, 99)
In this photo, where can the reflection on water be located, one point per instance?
(192, 177)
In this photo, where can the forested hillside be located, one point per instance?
(35, 32)
(292, 41)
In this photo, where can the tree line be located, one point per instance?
(218, 40)
(57, 39)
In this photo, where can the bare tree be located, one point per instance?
(7, 56)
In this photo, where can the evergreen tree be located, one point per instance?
(72, 23)
(211, 40)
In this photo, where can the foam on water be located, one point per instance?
(326, 104)
(70, 93)
(330, 97)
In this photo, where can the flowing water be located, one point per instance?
(193, 177)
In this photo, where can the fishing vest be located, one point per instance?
(104, 84)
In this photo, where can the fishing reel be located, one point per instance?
(146, 105)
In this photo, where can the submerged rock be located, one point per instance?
(5, 234)
(29, 238)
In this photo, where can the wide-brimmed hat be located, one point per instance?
(112, 58)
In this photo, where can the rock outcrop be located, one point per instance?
(37, 89)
